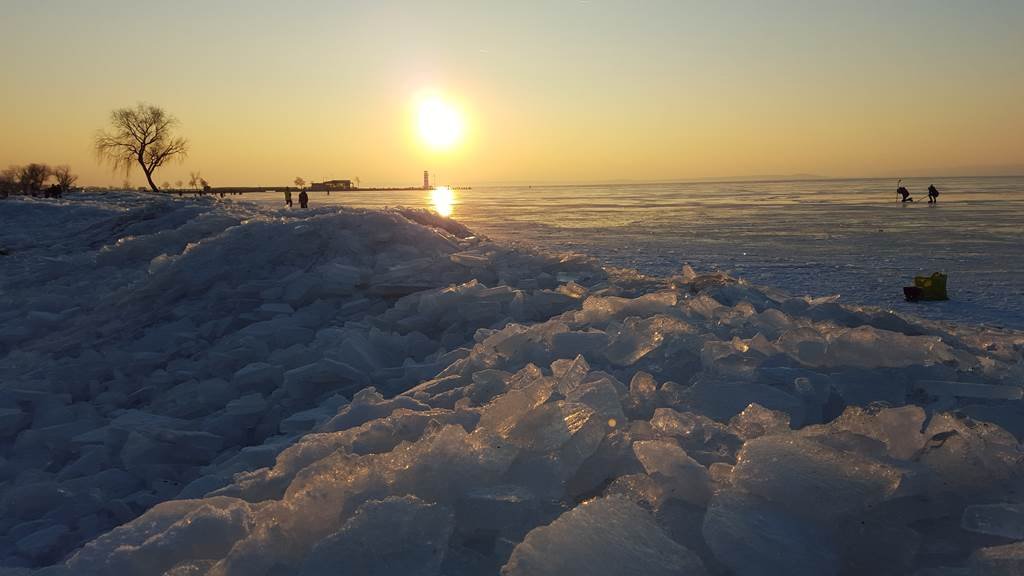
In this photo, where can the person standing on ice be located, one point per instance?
(933, 194)
(288, 198)
(303, 199)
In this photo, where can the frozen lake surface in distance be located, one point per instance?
(846, 237)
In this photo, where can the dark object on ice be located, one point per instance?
(933, 194)
(933, 287)
(927, 288)
(703, 282)
(288, 198)
(303, 199)
(902, 191)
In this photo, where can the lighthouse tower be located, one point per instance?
(426, 180)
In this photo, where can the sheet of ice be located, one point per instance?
(847, 237)
(1006, 520)
(608, 536)
(390, 537)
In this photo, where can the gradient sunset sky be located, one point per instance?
(553, 91)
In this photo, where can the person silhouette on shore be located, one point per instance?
(303, 199)
(288, 198)
(933, 194)
(902, 191)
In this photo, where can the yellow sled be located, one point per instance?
(927, 288)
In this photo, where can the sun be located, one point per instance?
(440, 123)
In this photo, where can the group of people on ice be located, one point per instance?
(303, 199)
(933, 193)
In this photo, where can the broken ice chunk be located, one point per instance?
(756, 421)
(569, 373)
(962, 453)
(639, 488)
(704, 440)
(723, 400)
(602, 396)
(313, 379)
(166, 535)
(502, 413)
(685, 478)
(604, 537)
(870, 347)
(42, 543)
(506, 509)
(793, 470)
(600, 310)
(549, 426)
(367, 405)
(804, 344)
(390, 537)
(1006, 520)
(753, 537)
(636, 337)
(258, 376)
(899, 428)
(643, 396)
(1006, 560)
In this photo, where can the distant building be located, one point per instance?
(330, 185)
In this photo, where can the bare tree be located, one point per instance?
(32, 177)
(65, 179)
(299, 182)
(9, 181)
(142, 135)
(178, 184)
(193, 180)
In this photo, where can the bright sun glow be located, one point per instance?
(440, 123)
(443, 200)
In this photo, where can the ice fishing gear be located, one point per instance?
(927, 288)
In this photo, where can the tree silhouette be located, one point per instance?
(32, 177)
(299, 182)
(142, 135)
(9, 181)
(65, 179)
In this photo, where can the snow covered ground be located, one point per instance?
(201, 387)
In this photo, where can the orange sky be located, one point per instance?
(548, 91)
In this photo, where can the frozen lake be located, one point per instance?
(188, 381)
(846, 237)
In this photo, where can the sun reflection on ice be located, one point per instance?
(443, 200)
